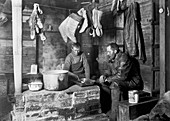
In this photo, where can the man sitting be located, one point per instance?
(77, 65)
(122, 75)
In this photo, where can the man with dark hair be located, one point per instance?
(76, 63)
(122, 75)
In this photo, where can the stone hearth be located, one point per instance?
(80, 105)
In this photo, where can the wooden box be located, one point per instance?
(128, 112)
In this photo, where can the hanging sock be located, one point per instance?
(32, 22)
(94, 33)
(42, 37)
(35, 23)
(3, 18)
(94, 17)
(82, 12)
(114, 5)
(99, 31)
(97, 14)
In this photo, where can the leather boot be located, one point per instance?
(115, 94)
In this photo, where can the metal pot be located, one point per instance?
(55, 79)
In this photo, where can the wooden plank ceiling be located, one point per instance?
(66, 4)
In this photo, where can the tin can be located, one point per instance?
(133, 96)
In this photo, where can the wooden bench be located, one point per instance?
(128, 111)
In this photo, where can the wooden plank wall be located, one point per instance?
(53, 48)
(6, 54)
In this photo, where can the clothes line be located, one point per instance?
(41, 5)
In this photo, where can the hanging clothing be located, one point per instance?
(118, 6)
(89, 8)
(35, 23)
(133, 36)
(96, 18)
(82, 12)
(69, 26)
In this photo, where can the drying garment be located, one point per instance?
(3, 18)
(89, 9)
(114, 5)
(35, 23)
(68, 27)
(62, 29)
(133, 36)
(82, 12)
(96, 17)
(118, 6)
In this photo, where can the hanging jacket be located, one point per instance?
(133, 36)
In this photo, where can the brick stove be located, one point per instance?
(81, 105)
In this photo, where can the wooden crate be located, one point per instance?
(128, 112)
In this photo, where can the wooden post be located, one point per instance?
(162, 46)
(17, 43)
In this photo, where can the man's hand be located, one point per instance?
(102, 79)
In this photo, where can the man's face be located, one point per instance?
(76, 50)
(109, 51)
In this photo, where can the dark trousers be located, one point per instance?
(105, 97)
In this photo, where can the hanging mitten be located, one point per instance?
(82, 12)
(62, 29)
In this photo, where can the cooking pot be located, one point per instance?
(55, 80)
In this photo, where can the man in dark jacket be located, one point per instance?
(122, 75)
(76, 63)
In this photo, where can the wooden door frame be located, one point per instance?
(17, 44)
(162, 45)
